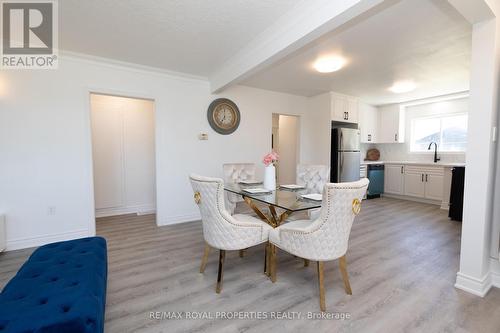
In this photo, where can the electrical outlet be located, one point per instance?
(51, 210)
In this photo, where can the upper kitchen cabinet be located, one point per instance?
(368, 123)
(342, 108)
(391, 125)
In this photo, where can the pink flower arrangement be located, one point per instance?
(270, 158)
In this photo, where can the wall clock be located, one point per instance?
(223, 116)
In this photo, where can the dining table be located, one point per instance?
(286, 200)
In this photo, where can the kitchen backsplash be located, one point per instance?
(399, 152)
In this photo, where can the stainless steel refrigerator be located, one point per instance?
(345, 155)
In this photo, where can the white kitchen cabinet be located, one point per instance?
(414, 184)
(394, 179)
(424, 182)
(391, 124)
(363, 173)
(339, 107)
(434, 186)
(344, 108)
(368, 123)
(352, 111)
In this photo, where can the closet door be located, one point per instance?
(139, 154)
(107, 146)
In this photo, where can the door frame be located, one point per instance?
(88, 91)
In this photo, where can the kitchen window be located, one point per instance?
(448, 131)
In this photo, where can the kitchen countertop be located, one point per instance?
(441, 164)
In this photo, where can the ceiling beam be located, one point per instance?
(474, 11)
(307, 21)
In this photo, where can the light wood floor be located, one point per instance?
(402, 259)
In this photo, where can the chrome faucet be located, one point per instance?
(436, 158)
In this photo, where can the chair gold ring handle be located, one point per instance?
(197, 197)
(356, 206)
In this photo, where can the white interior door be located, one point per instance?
(107, 149)
(288, 146)
(123, 155)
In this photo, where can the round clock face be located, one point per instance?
(223, 116)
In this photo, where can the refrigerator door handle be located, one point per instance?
(341, 154)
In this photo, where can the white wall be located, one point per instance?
(495, 231)
(476, 274)
(401, 151)
(45, 142)
(248, 144)
(123, 155)
(316, 126)
(288, 148)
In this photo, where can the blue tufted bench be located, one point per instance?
(61, 288)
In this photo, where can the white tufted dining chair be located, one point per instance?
(221, 230)
(314, 178)
(234, 173)
(325, 238)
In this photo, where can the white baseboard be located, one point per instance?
(408, 198)
(23, 243)
(478, 287)
(176, 219)
(445, 206)
(146, 212)
(495, 279)
(495, 272)
(138, 209)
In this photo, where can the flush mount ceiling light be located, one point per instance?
(402, 87)
(329, 64)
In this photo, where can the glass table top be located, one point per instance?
(290, 200)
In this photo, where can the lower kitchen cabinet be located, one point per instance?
(434, 186)
(424, 182)
(393, 179)
(414, 184)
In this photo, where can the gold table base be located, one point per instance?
(274, 220)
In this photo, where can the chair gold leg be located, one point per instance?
(204, 259)
(306, 262)
(322, 304)
(273, 263)
(345, 276)
(242, 253)
(222, 256)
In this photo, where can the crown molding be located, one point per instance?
(123, 65)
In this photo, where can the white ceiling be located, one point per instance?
(189, 36)
(426, 41)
